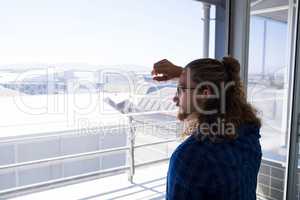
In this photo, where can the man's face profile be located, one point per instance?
(184, 96)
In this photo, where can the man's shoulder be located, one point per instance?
(206, 154)
(189, 152)
(189, 144)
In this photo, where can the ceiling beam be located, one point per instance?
(269, 10)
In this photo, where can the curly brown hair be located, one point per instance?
(220, 73)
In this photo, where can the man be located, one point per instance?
(220, 158)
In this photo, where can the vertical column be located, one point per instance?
(206, 22)
(238, 41)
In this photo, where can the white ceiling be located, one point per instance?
(273, 9)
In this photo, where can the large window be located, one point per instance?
(73, 72)
(269, 88)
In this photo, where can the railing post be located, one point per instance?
(131, 151)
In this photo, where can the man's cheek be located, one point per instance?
(183, 105)
(183, 101)
(188, 104)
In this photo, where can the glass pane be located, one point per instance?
(70, 71)
(269, 89)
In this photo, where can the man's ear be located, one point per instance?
(206, 91)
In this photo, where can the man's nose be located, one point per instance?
(175, 99)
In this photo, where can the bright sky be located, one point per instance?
(119, 32)
(105, 32)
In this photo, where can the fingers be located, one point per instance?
(158, 68)
(160, 78)
(159, 63)
(153, 73)
(161, 68)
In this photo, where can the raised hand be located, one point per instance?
(164, 70)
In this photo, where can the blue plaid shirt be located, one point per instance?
(216, 171)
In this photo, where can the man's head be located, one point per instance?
(198, 85)
(188, 96)
(212, 90)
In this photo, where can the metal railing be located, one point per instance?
(130, 167)
(22, 190)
